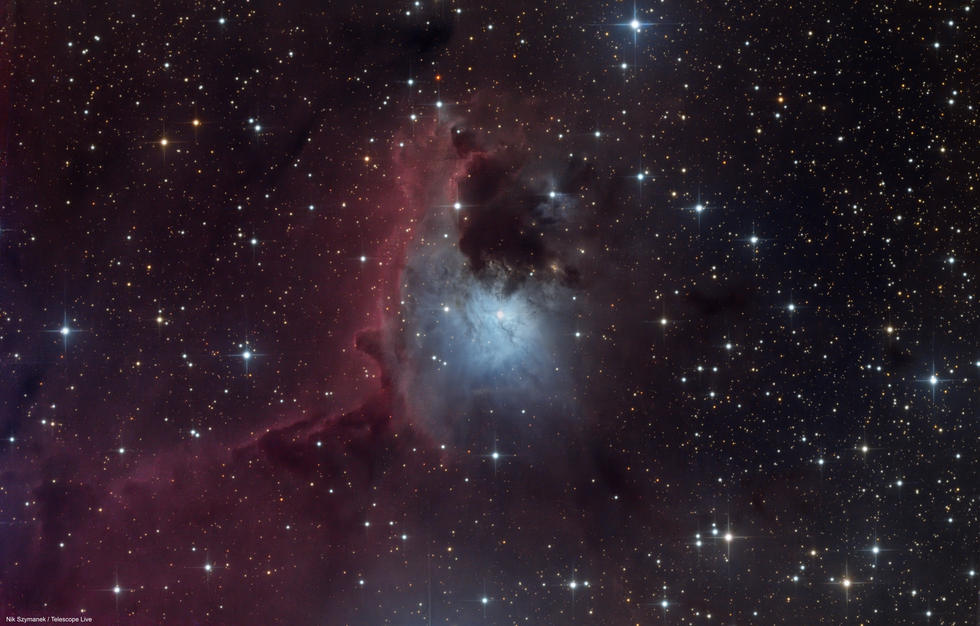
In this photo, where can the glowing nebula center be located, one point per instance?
(481, 344)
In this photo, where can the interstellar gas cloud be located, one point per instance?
(450, 313)
(490, 296)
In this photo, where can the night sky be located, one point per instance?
(440, 312)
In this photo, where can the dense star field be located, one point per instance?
(439, 312)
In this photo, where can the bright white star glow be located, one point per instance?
(247, 355)
(65, 331)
